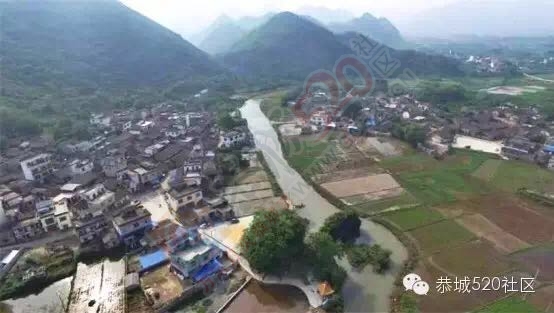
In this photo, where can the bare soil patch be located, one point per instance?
(482, 227)
(247, 188)
(362, 185)
(346, 174)
(538, 260)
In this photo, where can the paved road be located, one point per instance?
(363, 291)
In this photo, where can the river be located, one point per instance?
(49, 300)
(363, 291)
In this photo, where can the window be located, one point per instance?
(63, 218)
(199, 194)
(180, 200)
(189, 198)
(136, 224)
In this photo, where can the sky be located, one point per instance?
(189, 16)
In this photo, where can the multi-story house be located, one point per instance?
(78, 167)
(131, 224)
(114, 165)
(187, 263)
(233, 139)
(98, 198)
(27, 229)
(91, 226)
(37, 167)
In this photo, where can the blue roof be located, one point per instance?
(207, 270)
(549, 148)
(152, 260)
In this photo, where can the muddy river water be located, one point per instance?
(364, 291)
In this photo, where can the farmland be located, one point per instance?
(463, 213)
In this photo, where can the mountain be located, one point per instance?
(248, 23)
(286, 47)
(60, 44)
(484, 18)
(221, 37)
(379, 29)
(289, 47)
(325, 15)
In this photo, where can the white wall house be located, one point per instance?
(98, 198)
(37, 167)
(78, 167)
(233, 138)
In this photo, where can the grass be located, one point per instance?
(441, 186)
(308, 153)
(434, 237)
(376, 206)
(409, 219)
(487, 170)
(513, 175)
(511, 305)
(272, 108)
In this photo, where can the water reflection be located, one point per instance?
(50, 300)
(269, 298)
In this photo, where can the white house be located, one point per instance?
(98, 197)
(78, 167)
(37, 167)
(233, 138)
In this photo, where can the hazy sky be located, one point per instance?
(190, 16)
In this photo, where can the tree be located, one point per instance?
(343, 226)
(321, 251)
(274, 240)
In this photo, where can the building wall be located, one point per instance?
(64, 221)
(190, 199)
(186, 268)
(136, 226)
(33, 170)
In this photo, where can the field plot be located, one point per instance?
(413, 218)
(440, 186)
(347, 174)
(514, 304)
(248, 196)
(526, 224)
(434, 237)
(410, 163)
(451, 301)
(384, 146)
(250, 207)
(379, 185)
(511, 176)
(251, 175)
(538, 260)
(247, 188)
(487, 170)
(482, 227)
(543, 299)
(475, 258)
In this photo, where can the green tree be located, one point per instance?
(343, 226)
(274, 241)
(321, 251)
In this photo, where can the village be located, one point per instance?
(507, 130)
(165, 193)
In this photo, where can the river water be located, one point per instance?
(52, 299)
(269, 298)
(363, 291)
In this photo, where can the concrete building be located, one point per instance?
(78, 167)
(37, 167)
(187, 262)
(98, 198)
(27, 229)
(114, 165)
(233, 139)
(91, 227)
(184, 196)
(131, 224)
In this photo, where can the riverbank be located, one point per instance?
(363, 290)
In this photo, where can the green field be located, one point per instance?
(413, 218)
(510, 305)
(434, 237)
(487, 170)
(273, 108)
(376, 206)
(512, 175)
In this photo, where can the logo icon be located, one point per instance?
(413, 282)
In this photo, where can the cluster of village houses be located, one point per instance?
(87, 188)
(511, 132)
